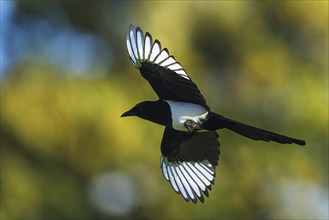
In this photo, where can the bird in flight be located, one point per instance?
(189, 146)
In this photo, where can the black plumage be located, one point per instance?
(190, 146)
(168, 85)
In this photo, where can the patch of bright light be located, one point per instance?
(303, 200)
(113, 193)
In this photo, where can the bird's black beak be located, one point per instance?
(128, 113)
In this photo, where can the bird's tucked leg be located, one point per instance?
(190, 125)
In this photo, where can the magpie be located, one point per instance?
(189, 146)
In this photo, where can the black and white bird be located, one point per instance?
(190, 148)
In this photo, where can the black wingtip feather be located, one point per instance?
(157, 42)
(131, 27)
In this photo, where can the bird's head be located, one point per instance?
(141, 110)
(155, 111)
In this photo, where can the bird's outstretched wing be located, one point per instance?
(166, 76)
(188, 162)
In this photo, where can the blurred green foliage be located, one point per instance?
(263, 63)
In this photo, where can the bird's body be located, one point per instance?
(190, 148)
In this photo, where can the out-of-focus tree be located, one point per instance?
(66, 79)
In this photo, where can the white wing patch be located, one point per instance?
(142, 49)
(191, 179)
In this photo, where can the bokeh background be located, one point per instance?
(66, 79)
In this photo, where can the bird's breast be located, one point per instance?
(183, 111)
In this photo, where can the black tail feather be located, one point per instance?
(216, 121)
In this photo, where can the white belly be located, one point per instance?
(182, 111)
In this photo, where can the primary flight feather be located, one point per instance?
(189, 147)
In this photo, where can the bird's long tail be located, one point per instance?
(216, 121)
